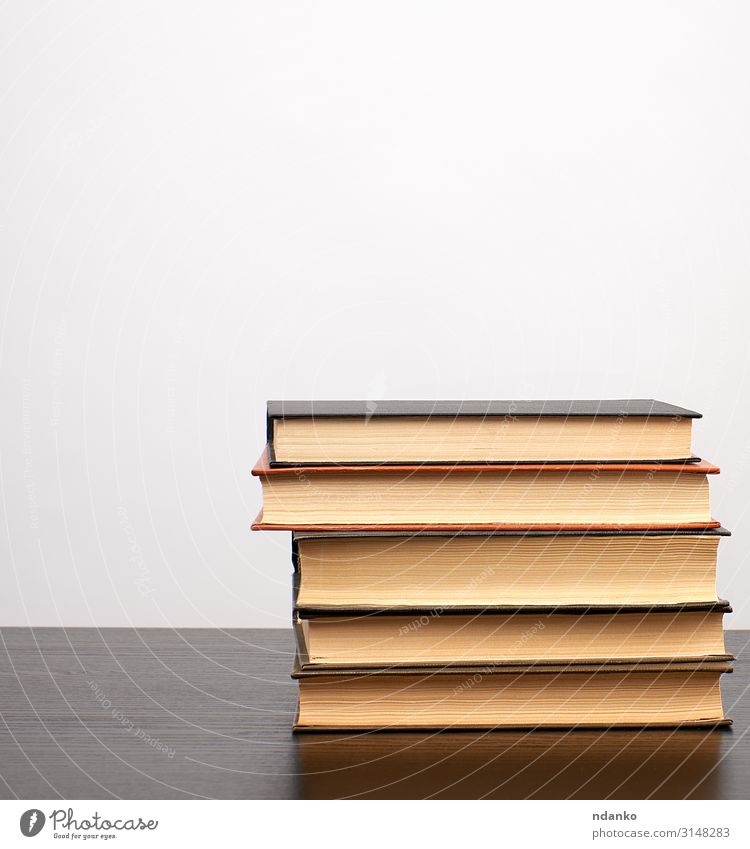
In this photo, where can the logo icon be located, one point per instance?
(32, 822)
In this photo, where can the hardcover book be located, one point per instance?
(405, 432)
(642, 695)
(472, 570)
(635, 495)
(445, 637)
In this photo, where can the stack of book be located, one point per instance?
(488, 564)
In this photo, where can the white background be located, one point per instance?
(205, 205)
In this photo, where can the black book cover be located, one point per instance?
(327, 610)
(720, 665)
(594, 408)
(533, 409)
(313, 611)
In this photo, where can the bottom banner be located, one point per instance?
(375, 823)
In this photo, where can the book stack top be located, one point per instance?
(303, 433)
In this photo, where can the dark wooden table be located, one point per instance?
(191, 713)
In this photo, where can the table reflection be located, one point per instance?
(591, 764)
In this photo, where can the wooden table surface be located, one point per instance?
(192, 713)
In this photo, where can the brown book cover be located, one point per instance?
(264, 469)
(260, 525)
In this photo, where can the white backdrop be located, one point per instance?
(204, 206)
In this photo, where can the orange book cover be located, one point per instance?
(263, 469)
